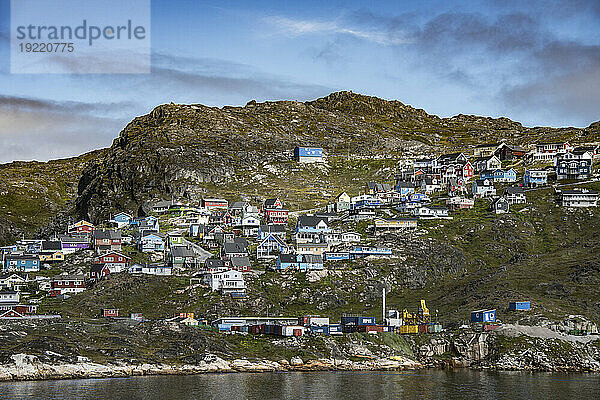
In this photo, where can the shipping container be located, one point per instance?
(313, 320)
(519, 305)
(409, 329)
(483, 316)
(489, 327)
(321, 330)
(423, 328)
(292, 330)
(349, 320)
(366, 321)
(224, 327)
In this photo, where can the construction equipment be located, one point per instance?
(423, 314)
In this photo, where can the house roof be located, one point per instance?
(68, 278)
(116, 253)
(107, 234)
(312, 258)
(233, 248)
(69, 239)
(287, 258)
(270, 202)
(513, 190)
(240, 261)
(484, 145)
(275, 228)
(405, 184)
(214, 263)
(276, 238)
(162, 204)
(51, 245)
(182, 251)
(97, 267)
(310, 220)
(575, 191)
(237, 205)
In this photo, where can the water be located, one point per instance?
(460, 385)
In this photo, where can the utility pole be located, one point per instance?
(383, 311)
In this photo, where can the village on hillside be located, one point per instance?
(217, 243)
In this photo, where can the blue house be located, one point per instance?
(122, 219)
(483, 316)
(300, 262)
(519, 305)
(308, 154)
(405, 188)
(337, 256)
(271, 246)
(22, 263)
(499, 175)
(357, 252)
(535, 177)
(151, 242)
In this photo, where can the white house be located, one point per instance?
(230, 281)
(483, 188)
(579, 198)
(250, 225)
(430, 212)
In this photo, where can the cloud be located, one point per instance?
(297, 27)
(574, 94)
(37, 129)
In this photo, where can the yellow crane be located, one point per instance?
(424, 313)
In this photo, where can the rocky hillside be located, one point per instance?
(34, 195)
(192, 150)
(188, 150)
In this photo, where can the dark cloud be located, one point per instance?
(574, 94)
(516, 56)
(13, 103)
(37, 129)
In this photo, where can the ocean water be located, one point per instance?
(427, 384)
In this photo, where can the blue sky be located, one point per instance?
(537, 62)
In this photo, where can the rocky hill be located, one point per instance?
(186, 151)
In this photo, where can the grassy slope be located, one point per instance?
(32, 193)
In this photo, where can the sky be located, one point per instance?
(537, 62)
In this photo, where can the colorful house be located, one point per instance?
(70, 245)
(535, 177)
(115, 261)
(271, 246)
(81, 228)
(308, 154)
(211, 204)
(22, 263)
(152, 242)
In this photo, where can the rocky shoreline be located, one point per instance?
(26, 367)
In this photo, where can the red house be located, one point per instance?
(214, 203)
(99, 271)
(82, 228)
(109, 312)
(274, 213)
(67, 284)
(467, 171)
(115, 261)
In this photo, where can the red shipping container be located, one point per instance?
(423, 328)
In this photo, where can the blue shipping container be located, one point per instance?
(366, 321)
(483, 316)
(519, 305)
(347, 320)
(224, 327)
(323, 330)
(335, 329)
